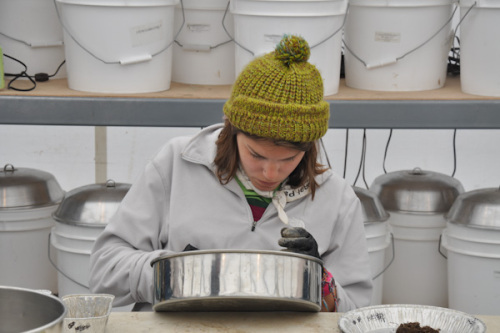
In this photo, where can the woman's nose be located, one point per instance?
(271, 170)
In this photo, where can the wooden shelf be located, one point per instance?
(53, 103)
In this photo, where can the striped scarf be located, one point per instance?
(279, 197)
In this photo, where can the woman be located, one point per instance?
(253, 182)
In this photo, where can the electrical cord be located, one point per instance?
(325, 152)
(362, 162)
(454, 152)
(386, 149)
(453, 67)
(346, 150)
(454, 147)
(38, 77)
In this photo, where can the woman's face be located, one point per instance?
(265, 163)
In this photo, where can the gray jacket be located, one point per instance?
(178, 200)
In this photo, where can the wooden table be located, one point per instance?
(239, 322)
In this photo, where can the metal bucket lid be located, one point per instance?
(91, 205)
(416, 191)
(22, 188)
(373, 209)
(477, 209)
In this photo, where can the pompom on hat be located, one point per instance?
(280, 95)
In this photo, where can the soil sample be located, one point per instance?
(415, 328)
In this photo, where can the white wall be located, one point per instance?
(73, 157)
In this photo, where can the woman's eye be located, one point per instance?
(256, 156)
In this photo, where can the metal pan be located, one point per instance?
(240, 280)
(32, 311)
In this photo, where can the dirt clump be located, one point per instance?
(415, 328)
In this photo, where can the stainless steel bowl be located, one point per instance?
(240, 280)
(30, 311)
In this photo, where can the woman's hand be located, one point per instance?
(299, 240)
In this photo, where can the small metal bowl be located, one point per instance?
(238, 280)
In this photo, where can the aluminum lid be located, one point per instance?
(91, 205)
(416, 191)
(22, 188)
(373, 210)
(477, 209)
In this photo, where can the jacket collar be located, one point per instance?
(201, 148)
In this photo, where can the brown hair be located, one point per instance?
(227, 158)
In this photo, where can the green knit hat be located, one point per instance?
(280, 95)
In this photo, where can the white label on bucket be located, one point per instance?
(147, 33)
(388, 37)
(198, 27)
(275, 39)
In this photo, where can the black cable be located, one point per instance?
(19, 75)
(386, 149)
(454, 151)
(362, 161)
(453, 67)
(57, 70)
(325, 152)
(346, 150)
(38, 77)
(365, 140)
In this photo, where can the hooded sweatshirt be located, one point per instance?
(178, 200)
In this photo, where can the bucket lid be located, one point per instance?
(204, 4)
(372, 207)
(401, 3)
(22, 188)
(479, 208)
(416, 191)
(121, 3)
(91, 205)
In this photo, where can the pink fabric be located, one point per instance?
(329, 287)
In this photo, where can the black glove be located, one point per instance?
(189, 247)
(298, 240)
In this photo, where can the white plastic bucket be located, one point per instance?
(260, 24)
(73, 245)
(31, 33)
(203, 52)
(473, 269)
(397, 45)
(479, 47)
(378, 239)
(118, 46)
(23, 249)
(418, 274)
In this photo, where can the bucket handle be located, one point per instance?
(463, 17)
(313, 46)
(34, 44)
(202, 47)
(132, 60)
(390, 61)
(59, 270)
(9, 168)
(439, 247)
(390, 262)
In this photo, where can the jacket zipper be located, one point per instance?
(254, 224)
